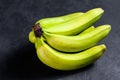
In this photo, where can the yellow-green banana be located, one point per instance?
(86, 31)
(77, 24)
(68, 42)
(64, 61)
(77, 43)
(49, 22)
(32, 37)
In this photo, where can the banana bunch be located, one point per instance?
(69, 42)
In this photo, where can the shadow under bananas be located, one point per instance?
(24, 64)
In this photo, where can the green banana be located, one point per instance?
(86, 31)
(78, 24)
(55, 38)
(49, 22)
(77, 43)
(32, 37)
(64, 61)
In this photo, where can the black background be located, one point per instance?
(18, 60)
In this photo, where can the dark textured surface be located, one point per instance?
(18, 60)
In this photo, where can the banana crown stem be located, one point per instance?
(37, 30)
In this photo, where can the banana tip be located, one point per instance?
(104, 47)
(100, 9)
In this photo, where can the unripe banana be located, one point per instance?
(87, 31)
(65, 61)
(77, 43)
(56, 38)
(78, 24)
(32, 37)
(49, 22)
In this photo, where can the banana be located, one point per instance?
(77, 24)
(86, 31)
(64, 61)
(32, 37)
(77, 43)
(68, 42)
(49, 22)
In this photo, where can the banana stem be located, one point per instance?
(37, 30)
